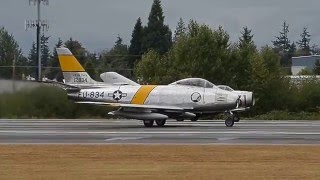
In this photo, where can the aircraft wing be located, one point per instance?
(144, 106)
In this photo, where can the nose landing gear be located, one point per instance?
(232, 118)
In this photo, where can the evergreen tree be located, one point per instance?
(282, 42)
(247, 52)
(45, 51)
(180, 30)
(304, 42)
(283, 46)
(136, 43)
(54, 71)
(292, 50)
(33, 61)
(157, 35)
(9, 50)
(116, 58)
(33, 57)
(91, 70)
(246, 39)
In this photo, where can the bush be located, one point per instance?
(45, 102)
(285, 115)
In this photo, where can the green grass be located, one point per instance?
(285, 115)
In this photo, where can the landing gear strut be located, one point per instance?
(236, 117)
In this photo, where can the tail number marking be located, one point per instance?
(80, 80)
(91, 94)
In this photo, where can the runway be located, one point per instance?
(121, 131)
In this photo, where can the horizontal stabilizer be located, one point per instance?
(61, 85)
(116, 79)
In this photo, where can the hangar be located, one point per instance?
(303, 62)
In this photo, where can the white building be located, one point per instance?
(303, 62)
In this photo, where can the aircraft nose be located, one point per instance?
(234, 99)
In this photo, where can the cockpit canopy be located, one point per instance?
(198, 82)
(224, 87)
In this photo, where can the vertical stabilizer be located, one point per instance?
(72, 70)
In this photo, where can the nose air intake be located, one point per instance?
(247, 100)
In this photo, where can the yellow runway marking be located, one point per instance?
(142, 94)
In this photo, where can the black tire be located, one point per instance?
(161, 123)
(229, 122)
(148, 123)
(236, 118)
(194, 119)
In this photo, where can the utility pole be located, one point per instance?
(38, 24)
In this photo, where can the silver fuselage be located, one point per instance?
(191, 98)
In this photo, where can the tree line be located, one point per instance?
(156, 36)
(158, 56)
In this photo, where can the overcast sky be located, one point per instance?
(96, 23)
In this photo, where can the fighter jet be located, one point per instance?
(184, 99)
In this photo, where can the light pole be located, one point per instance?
(38, 24)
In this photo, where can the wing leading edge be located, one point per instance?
(143, 106)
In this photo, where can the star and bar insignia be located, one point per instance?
(117, 95)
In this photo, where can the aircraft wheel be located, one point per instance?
(229, 122)
(148, 123)
(236, 118)
(161, 122)
(194, 119)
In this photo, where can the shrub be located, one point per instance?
(45, 102)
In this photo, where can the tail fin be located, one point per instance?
(72, 70)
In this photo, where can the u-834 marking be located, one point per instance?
(91, 94)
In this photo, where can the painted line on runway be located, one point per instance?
(123, 138)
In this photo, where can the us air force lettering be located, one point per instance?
(185, 99)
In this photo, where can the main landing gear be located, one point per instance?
(149, 123)
(232, 118)
(196, 118)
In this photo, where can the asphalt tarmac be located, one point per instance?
(121, 131)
